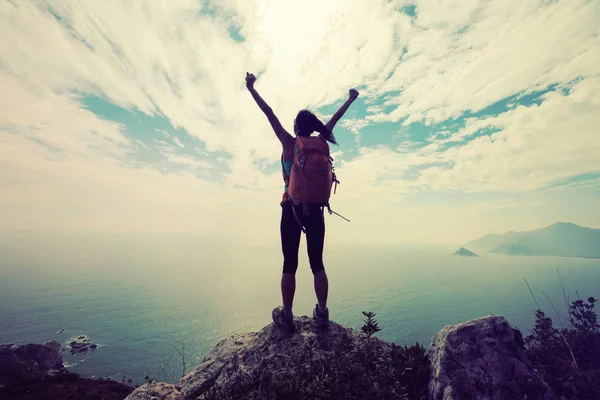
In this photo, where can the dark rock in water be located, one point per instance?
(81, 344)
(36, 371)
(483, 359)
(465, 253)
(30, 361)
(65, 386)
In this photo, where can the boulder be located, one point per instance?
(483, 359)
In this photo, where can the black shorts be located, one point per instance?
(314, 224)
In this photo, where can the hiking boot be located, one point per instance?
(321, 317)
(283, 321)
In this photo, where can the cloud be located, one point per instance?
(188, 161)
(469, 55)
(179, 61)
(56, 121)
(178, 142)
(354, 126)
(534, 147)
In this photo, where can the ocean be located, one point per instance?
(145, 300)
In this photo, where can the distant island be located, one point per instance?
(465, 253)
(562, 239)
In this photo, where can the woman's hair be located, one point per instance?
(307, 123)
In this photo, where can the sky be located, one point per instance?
(131, 117)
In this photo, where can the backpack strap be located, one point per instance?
(333, 212)
(286, 178)
(297, 218)
(335, 180)
(333, 175)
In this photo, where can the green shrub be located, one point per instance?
(568, 357)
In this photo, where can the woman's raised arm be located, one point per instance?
(352, 95)
(281, 133)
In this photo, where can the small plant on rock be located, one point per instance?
(370, 327)
(411, 364)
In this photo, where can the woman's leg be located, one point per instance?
(290, 242)
(315, 239)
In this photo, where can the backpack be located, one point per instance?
(312, 174)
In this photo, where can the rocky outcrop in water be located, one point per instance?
(465, 253)
(483, 359)
(36, 371)
(66, 386)
(80, 344)
(30, 361)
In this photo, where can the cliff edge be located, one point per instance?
(479, 359)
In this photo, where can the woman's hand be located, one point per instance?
(250, 79)
(352, 95)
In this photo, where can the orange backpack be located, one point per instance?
(312, 174)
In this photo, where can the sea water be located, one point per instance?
(148, 300)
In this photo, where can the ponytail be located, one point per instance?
(327, 134)
(307, 123)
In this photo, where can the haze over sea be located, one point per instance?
(140, 297)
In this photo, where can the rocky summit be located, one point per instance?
(271, 364)
(479, 359)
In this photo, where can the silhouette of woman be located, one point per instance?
(304, 125)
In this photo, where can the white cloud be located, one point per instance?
(142, 144)
(506, 48)
(188, 161)
(533, 147)
(536, 146)
(56, 120)
(178, 142)
(354, 126)
(167, 59)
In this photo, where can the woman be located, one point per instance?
(304, 125)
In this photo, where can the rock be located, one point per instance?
(479, 359)
(310, 363)
(36, 371)
(156, 391)
(30, 361)
(465, 253)
(54, 345)
(483, 359)
(81, 344)
(65, 386)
